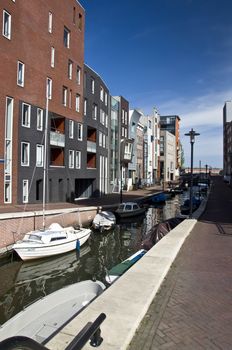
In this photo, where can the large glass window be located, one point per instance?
(6, 25)
(85, 106)
(92, 85)
(78, 75)
(79, 131)
(26, 115)
(39, 155)
(52, 57)
(70, 69)
(39, 119)
(25, 191)
(50, 22)
(78, 159)
(64, 96)
(71, 159)
(71, 129)
(49, 88)
(25, 153)
(20, 73)
(77, 103)
(66, 37)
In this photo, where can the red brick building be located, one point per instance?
(42, 49)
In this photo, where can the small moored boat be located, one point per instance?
(44, 318)
(52, 241)
(122, 267)
(104, 220)
(128, 209)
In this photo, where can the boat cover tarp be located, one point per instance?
(119, 269)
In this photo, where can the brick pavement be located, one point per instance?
(193, 309)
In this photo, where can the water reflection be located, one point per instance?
(27, 282)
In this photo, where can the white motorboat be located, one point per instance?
(104, 220)
(128, 209)
(44, 318)
(52, 241)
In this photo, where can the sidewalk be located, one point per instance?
(107, 200)
(193, 309)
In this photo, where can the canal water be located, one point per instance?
(24, 283)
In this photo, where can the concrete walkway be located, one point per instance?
(193, 309)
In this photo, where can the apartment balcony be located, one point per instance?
(57, 139)
(91, 147)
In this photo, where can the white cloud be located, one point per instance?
(204, 115)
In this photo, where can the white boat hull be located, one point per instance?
(48, 315)
(32, 250)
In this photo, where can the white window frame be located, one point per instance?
(106, 99)
(50, 20)
(26, 119)
(20, 73)
(70, 99)
(92, 85)
(78, 100)
(39, 122)
(101, 94)
(6, 24)
(79, 131)
(78, 75)
(8, 149)
(85, 106)
(39, 155)
(52, 57)
(71, 155)
(78, 159)
(25, 191)
(94, 111)
(70, 69)
(49, 88)
(64, 96)
(27, 149)
(100, 138)
(67, 40)
(71, 129)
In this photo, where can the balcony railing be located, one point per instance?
(91, 146)
(57, 139)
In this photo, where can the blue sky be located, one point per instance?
(175, 55)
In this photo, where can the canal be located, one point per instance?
(23, 283)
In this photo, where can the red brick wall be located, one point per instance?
(31, 44)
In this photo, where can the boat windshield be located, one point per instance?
(34, 237)
(127, 207)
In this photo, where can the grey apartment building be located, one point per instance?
(96, 131)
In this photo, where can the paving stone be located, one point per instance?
(193, 310)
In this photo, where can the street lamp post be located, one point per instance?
(206, 168)
(192, 135)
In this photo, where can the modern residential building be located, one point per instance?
(167, 156)
(156, 146)
(42, 58)
(134, 171)
(227, 140)
(140, 154)
(96, 135)
(123, 106)
(171, 123)
(147, 122)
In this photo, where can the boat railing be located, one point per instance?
(91, 332)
